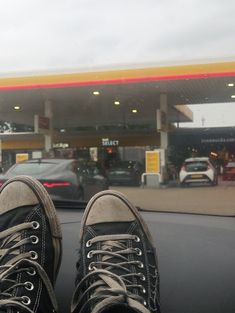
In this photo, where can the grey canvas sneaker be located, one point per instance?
(30, 247)
(117, 267)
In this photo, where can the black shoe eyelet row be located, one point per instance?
(142, 277)
(90, 254)
(34, 239)
(26, 300)
(138, 251)
(91, 266)
(34, 255)
(137, 239)
(31, 272)
(28, 286)
(35, 225)
(88, 244)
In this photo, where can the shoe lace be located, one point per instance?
(14, 262)
(112, 278)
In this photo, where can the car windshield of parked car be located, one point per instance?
(196, 166)
(125, 165)
(30, 168)
(230, 165)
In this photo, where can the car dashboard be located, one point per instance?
(196, 255)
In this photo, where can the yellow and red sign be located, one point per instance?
(152, 162)
(20, 157)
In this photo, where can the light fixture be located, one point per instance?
(214, 154)
(134, 111)
(16, 107)
(96, 93)
(116, 102)
(62, 130)
(230, 84)
(233, 96)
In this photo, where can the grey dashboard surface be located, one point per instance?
(196, 261)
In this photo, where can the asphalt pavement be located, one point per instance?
(199, 199)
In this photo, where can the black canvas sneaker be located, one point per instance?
(30, 247)
(117, 267)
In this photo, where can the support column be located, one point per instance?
(164, 136)
(164, 129)
(48, 112)
(1, 164)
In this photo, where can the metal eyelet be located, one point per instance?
(34, 239)
(90, 254)
(140, 265)
(145, 303)
(31, 272)
(138, 251)
(35, 225)
(143, 290)
(142, 277)
(28, 285)
(88, 243)
(34, 255)
(26, 300)
(137, 239)
(91, 266)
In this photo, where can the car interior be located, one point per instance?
(196, 255)
(144, 84)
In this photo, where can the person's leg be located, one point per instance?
(30, 247)
(117, 266)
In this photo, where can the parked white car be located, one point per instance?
(199, 170)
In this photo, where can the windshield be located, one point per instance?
(133, 96)
(30, 168)
(127, 164)
(196, 166)
(139, 94)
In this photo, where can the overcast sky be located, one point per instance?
(48, 35)
(212, 115)
(60, 34)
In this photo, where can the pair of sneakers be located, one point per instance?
(117, 265)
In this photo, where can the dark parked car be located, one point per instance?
(229, 171)
(125, 173)
(63, 179)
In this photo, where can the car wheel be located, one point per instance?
(137, 181)
(81, 194)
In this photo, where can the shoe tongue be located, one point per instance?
(14, 217)
(117, 309)
(112, 228)
(109, 306)
(11, 219)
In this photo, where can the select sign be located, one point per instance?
(106, 142)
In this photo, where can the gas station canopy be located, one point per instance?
(90, 100)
